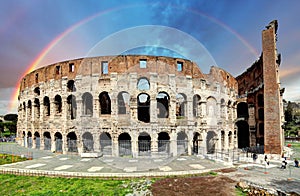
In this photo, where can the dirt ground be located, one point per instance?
(198, 185)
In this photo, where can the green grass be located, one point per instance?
(30, 185)
(7, 158)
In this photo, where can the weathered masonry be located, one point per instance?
(260, 108)
(128, 106)
(139, 105)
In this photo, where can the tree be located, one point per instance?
(288, 113)
(11, 117)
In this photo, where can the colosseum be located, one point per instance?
(140, 105)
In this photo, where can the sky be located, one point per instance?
(223, 33)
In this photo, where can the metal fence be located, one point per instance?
(125, 148)
(88, 145)
(106, 147)
(47, 144)
(182, 147)
(144, 147)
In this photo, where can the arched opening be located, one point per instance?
(24, 109)
(29, 139)
(222, 140)
(144, 144)
(260, 114)
(123, 102)
(88, 142)
(71, 86)
(105, 103)
(211, 140)
(58, 142)
(211, 105)
(196, 143)
(143, 84)
(37, 140)
(163, 143)
(180, 105)
(243, 134)
(46, 103)
(143, 102)
(196, 105)
(261, 133)
(87, 104)
(72, 107)
(162, 100)
(36, 108)
(47, 141)
(223, 108)
(29, 110)
(260, 100)
(242, 110)
(72, 142)
(124, 144)
(37, 91)
(58, 104)
(24, 138)
(182, 143)
(105, 144)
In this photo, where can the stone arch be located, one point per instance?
(211, 104)
(72, 142)
(143, 103)
(223, 108)
(163, 102)
(58, 104)
(143, 84)
(72, 107)
(222, 139)
(29, 139)
(181, 101)
(46, 103)
(197, 140)
(163, 142)
(123, 102)
(196, 105)
(37, 91)
(87, 104)
(47, 140)
(36, 104)
(105, 143)
(243, 134)
(260, 100)
(71, 86)
(242, 110)
(125, 148)
(37, 140)
(182, 143)
(29, 110)
(144, 144)
(88, 142)
(211, 140)
(58, 142)
(105, 103)
(261, 114)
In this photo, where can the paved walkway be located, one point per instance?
(47, 163)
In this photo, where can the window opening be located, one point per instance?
(143, 63)
(71, 67)
(104, 67)
(179, 66)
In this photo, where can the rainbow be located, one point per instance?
(55, 41)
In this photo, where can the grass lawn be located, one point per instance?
(7, 158)
(296, 148)
(30, 185)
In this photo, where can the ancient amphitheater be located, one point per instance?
(137, 106)
(128, 106)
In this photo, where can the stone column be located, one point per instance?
(64, 144)
(96, 139)
(173, 142)
(115, 145)
(226, 145)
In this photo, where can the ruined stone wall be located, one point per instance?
(259, 87)
(76, 102)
